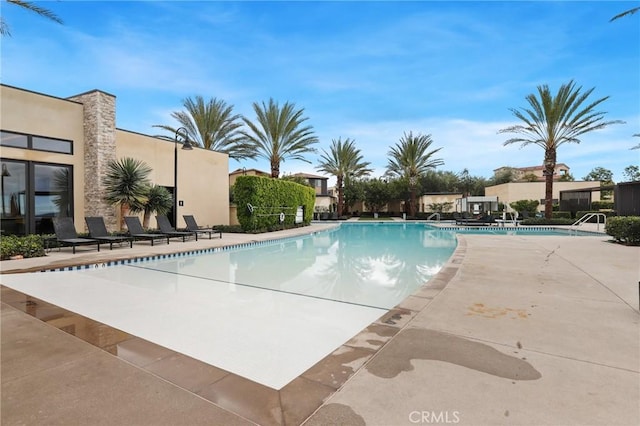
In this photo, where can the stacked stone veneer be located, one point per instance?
(99, 150)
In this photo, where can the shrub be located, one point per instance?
(529, 206)
(269, 198)
(602, 205)
(624, 229)
(561, 214)
(27, 246)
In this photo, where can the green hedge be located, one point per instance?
(561, 215)
(602, 205)
(624, 229)
(268, 198)
(26, 246)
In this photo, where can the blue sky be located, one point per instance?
(369, 71)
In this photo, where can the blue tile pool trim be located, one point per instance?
(175, 255)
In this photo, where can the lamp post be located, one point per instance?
(5, 173)
(186, 145)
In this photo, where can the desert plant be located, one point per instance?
(126, 184)
(159, 200)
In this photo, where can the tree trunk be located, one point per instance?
(412, 203)
(146, 218)
(124, 210)
(340, 196)
(275, 170)
(549, 168)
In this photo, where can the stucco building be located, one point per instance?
(55, 151)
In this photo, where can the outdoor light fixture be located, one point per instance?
(186, 145)
(5, 173)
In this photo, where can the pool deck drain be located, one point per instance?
(569, 305)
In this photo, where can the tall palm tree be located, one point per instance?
(4, 27)
(411, 158)
(343, 160)
(212, 125)
(554, 120)
(279, 134)
(625, 13)
(126, 184)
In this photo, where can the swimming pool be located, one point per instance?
(267, 312)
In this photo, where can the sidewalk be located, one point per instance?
(513, 330)
(530, 331)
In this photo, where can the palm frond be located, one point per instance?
(625, 13)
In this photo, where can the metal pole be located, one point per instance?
(175, 182)
(186, 145)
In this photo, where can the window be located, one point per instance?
(14, 187)
(32, 194)
(37, 143)
(14, 140)
(54, 145)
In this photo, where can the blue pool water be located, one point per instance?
(374, 265)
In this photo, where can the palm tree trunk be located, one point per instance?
(549, 168)
(275, 170)
(412, 203)
(340, 196)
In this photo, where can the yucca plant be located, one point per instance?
(159, 200)
(127, 185)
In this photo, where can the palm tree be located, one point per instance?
(343, 160)
(126, 184)
(410, 159)
(4, 27)
(279, 134)
(625, 13)
(212, 125)
(552, 121)
(159, 200)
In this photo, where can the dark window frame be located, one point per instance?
(30, 190)
(30, 142)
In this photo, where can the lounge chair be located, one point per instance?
(67, 236)
(136, 231)
(98, 231)
(192, 226)
(167, 229)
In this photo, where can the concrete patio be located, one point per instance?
(524, 330)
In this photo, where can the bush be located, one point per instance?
(269, 198)
(602, 205)
(561, 215)
(624, 229)
(529, 206)
(27, 246)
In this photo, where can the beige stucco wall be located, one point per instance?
(37, 114)
(203, 175)
(425, 200)
(515, 191)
